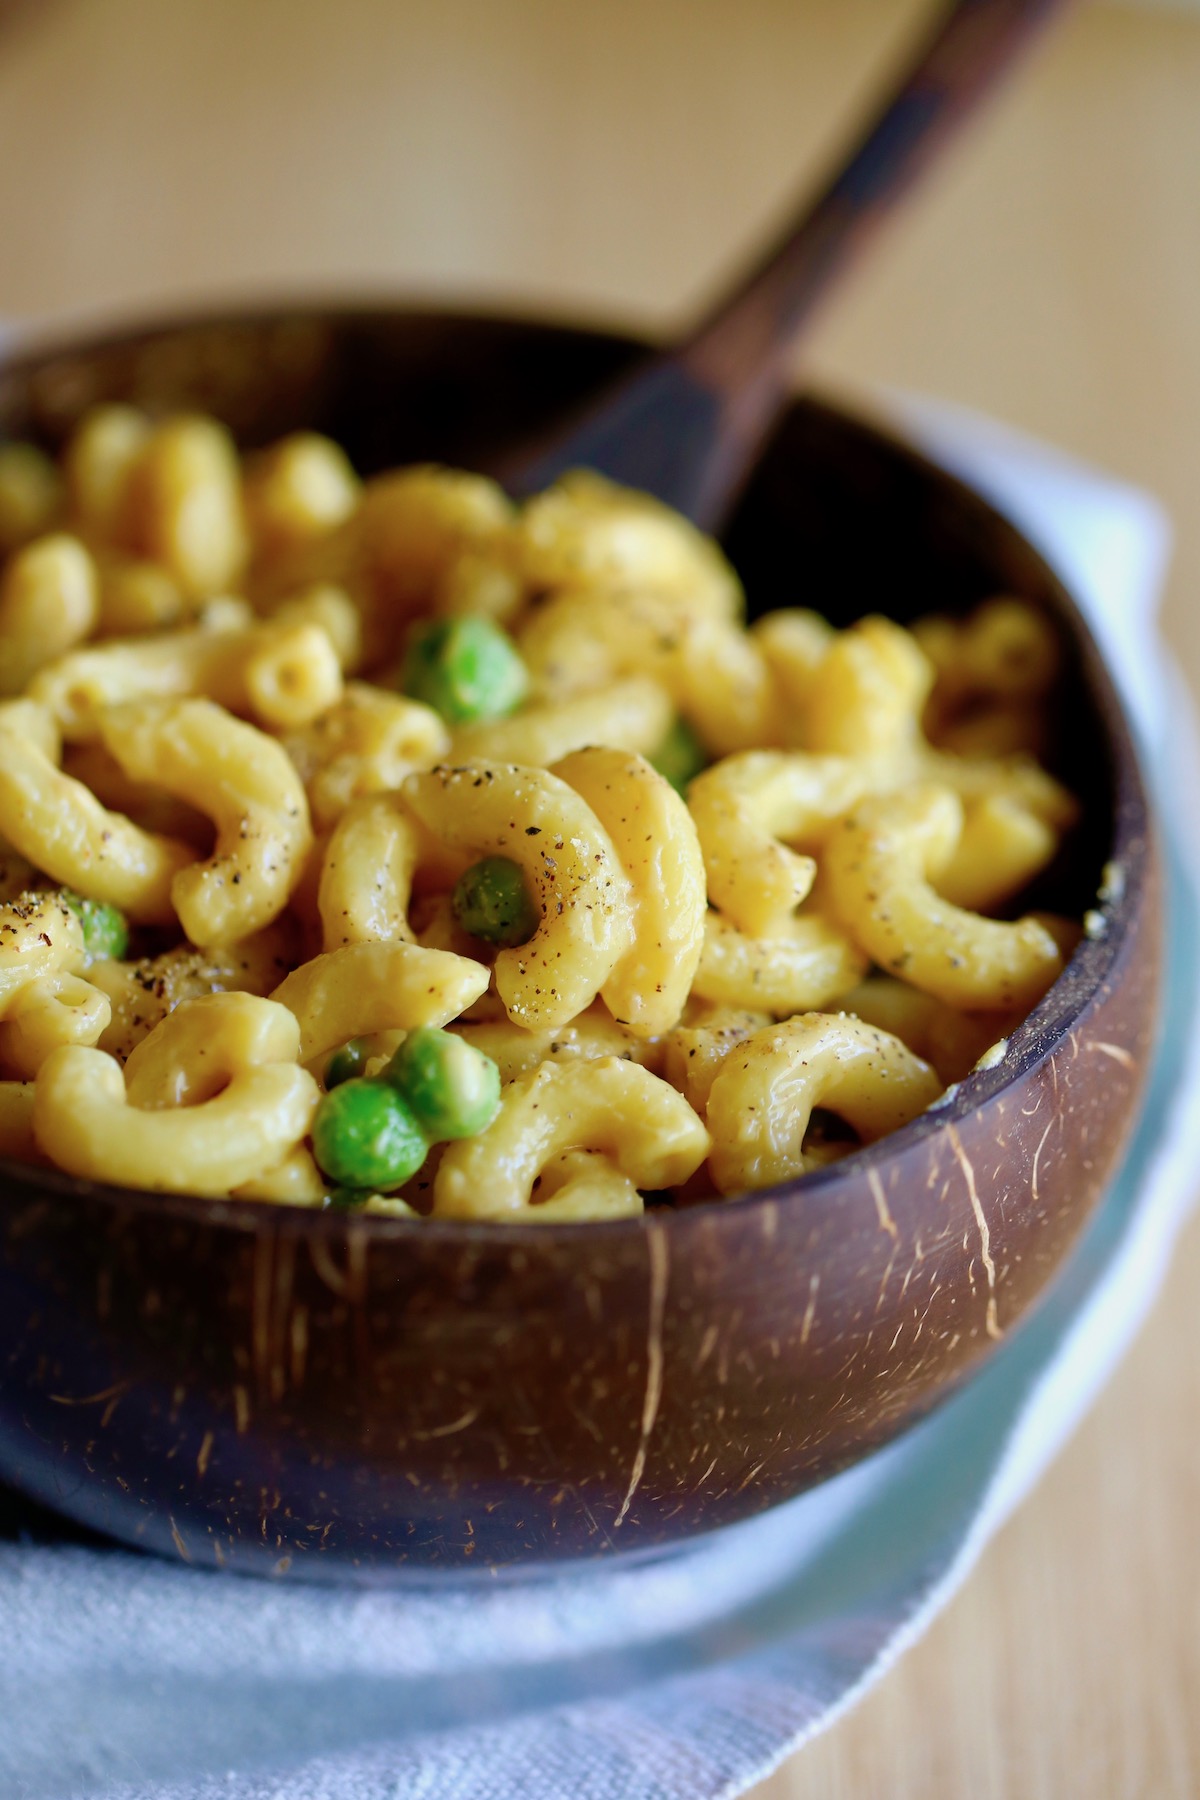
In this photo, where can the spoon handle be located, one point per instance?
(688, 423)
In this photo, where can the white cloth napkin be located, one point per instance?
(122, 1678)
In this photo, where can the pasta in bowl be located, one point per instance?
(390, 867)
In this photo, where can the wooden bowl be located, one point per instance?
(272, 1390)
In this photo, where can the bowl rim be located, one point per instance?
(1029, 1044)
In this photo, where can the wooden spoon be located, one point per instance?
(689, 423)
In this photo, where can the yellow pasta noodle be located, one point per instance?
(39, 935)
(761, 1099)
(334, 611)
(480, 582)
(869, 692)
(994, 671)
(62, 829)
(296, 1181)
(58, 1008)
(1004, 649)
(149, 807)
(1017, 778)
(199, 1047)
(809, 964)
(696, 1049)
(364, 988)
(98, 463)
(589, 1035)
(35, 723)
(292, 676)
(405, 537)
(82, 1118)
(633, 714)
(1000, 849)
(366, 873)
(415, 523)
(879, 865)
(144, 991)
(714, 672)
(647, 1132)
(299, 489)
(748, 808)
(366, 744)
(580, 889)
(794, 642)
(49, 601)
(31, 494)
(949, 1039)
(247, 786)
(137, 596)
(181, 504)
(284, 673)
(587, 530)
(656, 842)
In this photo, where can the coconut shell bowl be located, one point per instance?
(323, 1395)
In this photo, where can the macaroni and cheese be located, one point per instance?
(388, 846)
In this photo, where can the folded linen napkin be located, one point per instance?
(122, 1678)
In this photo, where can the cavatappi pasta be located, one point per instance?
(387, 846)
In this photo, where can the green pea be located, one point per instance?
(364, 1136)
(466, 669)
(490, 901)
(452, 1088)
(679, 757)
(346, 1063)
(105, 932)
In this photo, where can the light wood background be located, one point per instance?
(613, 158)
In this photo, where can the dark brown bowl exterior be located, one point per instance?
(276, 1391)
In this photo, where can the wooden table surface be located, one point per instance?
(614, 159)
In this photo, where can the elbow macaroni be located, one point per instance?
(748, 810)
(634, 714)
(48, 603)
(62, 829)
(880, 866)
(763, 1095)
(648, 1133)
(365, 988)
(801, 923)
(39, 936)
(656, 845)
(282, 673)
(579, 887)
(248, 787)
(84, 1120)
(197, 1049)
(367, 874)
(49, 1010)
